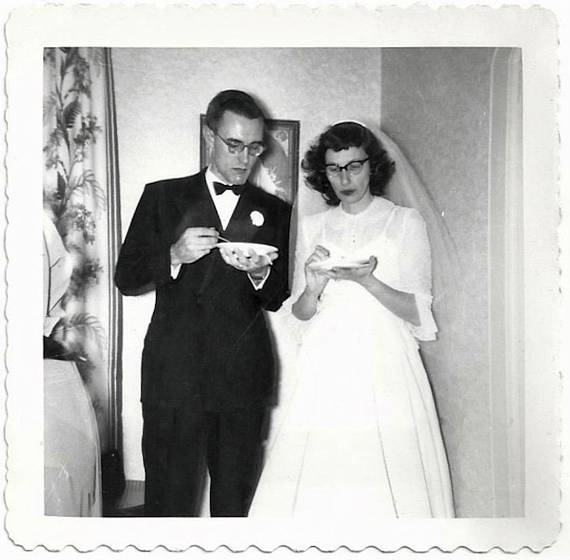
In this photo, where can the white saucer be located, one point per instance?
(339, 262)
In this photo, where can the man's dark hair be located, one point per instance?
(233, 100)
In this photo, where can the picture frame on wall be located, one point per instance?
(278, 169)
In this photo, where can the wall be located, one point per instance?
(435, 105)
(160, 94)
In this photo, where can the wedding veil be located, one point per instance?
(406, 189)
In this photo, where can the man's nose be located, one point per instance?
(243, 156)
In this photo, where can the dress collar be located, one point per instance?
(377, 204)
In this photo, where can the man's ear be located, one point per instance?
(208, 135)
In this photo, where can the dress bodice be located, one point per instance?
(395, 235)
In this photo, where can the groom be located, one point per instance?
(207, 364)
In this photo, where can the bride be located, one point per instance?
(360, 433)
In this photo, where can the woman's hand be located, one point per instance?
(359, 274)
(315, 276)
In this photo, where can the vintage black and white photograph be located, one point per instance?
(293, 284)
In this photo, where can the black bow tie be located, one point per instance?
(220, 188)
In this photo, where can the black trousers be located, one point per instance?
(180, 444)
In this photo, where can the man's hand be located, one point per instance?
(192, 245)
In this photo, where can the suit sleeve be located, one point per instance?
(144, 259)
(276, 288)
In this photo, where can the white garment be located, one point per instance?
(58, 268)
(225, 203)
(360, 435)
(72, 454)
(72, 467)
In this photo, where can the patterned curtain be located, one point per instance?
(80, 195)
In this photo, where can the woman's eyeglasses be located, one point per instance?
(353, 167)
(254, 149)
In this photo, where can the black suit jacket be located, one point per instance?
(207, 344)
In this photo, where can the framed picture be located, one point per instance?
(278, 169)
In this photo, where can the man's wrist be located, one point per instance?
(173, 258)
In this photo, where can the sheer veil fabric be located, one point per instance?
(406, 189)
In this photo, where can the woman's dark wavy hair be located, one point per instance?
(338, 137)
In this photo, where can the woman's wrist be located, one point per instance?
(306, 305)
(368, 282)
(312, 293)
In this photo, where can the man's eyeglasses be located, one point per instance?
(353, 167)
(254, 149)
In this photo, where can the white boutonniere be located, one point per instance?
(256, 218)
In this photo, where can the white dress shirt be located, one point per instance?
(225, 203)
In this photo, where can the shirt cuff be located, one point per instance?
(259, 282)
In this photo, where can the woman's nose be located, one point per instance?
(344, 177)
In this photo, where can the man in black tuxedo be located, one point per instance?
(207, 365)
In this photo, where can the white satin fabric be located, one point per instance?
(72, 465)
(360, 434)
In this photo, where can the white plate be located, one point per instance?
(248, 248)
(339, 262)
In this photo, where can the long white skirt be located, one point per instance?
(360, 435)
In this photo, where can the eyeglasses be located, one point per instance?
(353, 167)
(254, 149)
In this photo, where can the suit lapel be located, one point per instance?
(195, 205)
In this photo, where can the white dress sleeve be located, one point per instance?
(415, 272)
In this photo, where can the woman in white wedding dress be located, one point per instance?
(360, 435)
